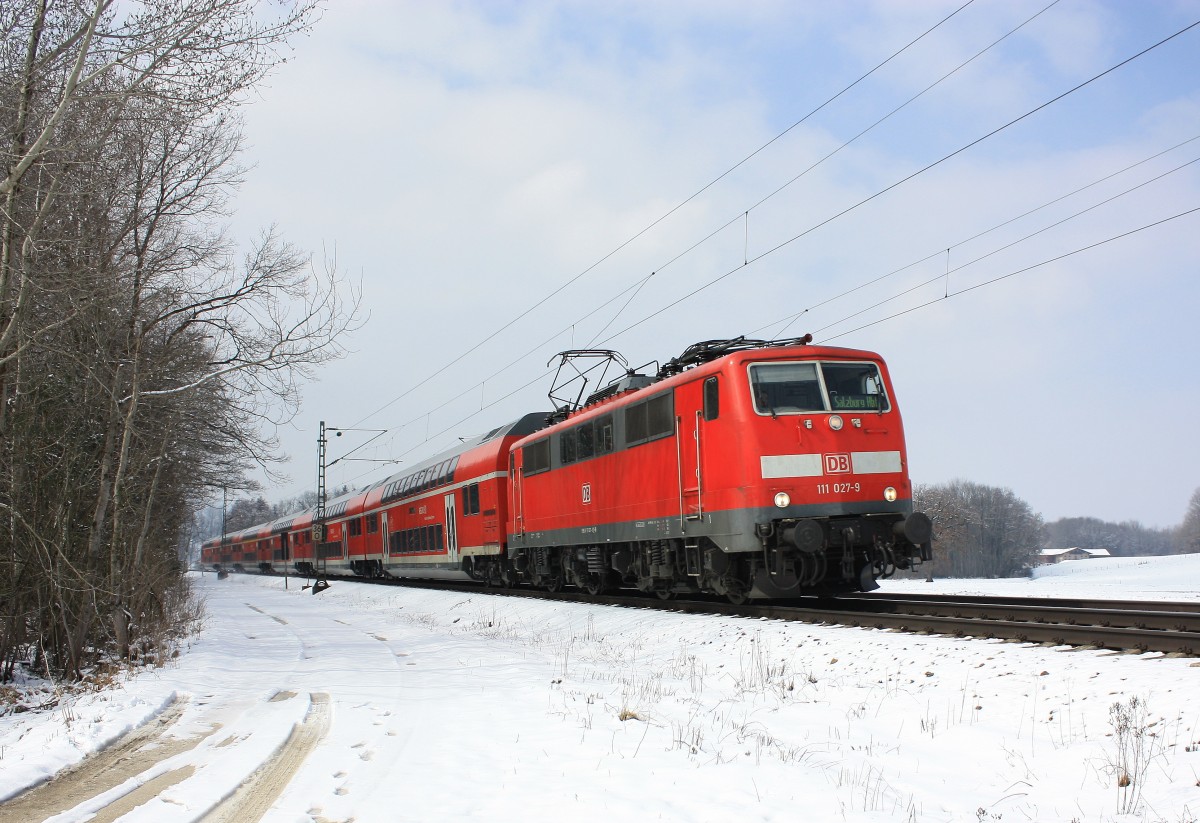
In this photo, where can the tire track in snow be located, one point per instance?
(255, 796)
(142, 794)
(104, 770)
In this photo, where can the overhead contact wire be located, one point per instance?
(676, 208)
(745, 215)
(903, 180)
(1015, 273)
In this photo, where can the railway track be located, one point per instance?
(1122, 625)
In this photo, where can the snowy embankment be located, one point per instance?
(419, 705)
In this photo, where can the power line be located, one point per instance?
(790, 319)
(745, 215)
(899, 182)
(638, 285)
(1015, 273)
(1007, 246)
(659, 220)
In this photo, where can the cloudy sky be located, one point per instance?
(505, 180)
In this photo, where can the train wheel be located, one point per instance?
(554, 583)
(664, 594)
(738, 598)
(595, 584)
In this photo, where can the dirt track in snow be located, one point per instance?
(131, 755)
(256, 794)
(137, 754)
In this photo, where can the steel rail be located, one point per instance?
(1064, 602)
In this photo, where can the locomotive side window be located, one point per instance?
(650, 419)
(635, 424)
(585, 441)
(584, 446)
(604, 434)
(566, 447)
(712, 405)
(537, 457)
(660, 415)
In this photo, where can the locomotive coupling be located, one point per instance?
(917, 528)
(806, 535)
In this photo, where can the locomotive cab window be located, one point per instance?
(854, 387)
(798, 388)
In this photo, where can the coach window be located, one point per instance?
(712, 399)
(470, 496)
(355, 527)
(373, 523)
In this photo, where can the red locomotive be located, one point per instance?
(745, 468)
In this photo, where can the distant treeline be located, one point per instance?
(986, 531)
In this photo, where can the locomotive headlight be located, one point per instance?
(835, 422)
(783, 500)
(889, 494)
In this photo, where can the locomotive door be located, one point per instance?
(516, 483)
(451, 527)
(689, 433)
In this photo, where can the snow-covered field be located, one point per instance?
(372, 703)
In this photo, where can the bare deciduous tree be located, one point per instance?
(140, 354)
(979, 531)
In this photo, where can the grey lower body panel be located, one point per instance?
(732, 530)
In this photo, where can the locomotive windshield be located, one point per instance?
(796, 388)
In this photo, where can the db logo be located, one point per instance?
(587, 493)
(837, 464)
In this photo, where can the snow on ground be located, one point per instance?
(1112, 578)
(441, 706)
